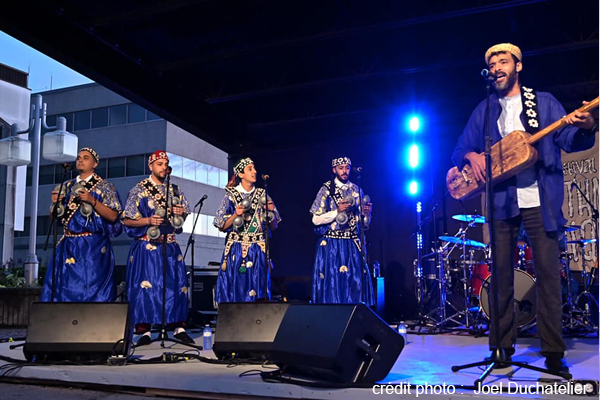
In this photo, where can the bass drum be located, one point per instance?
(525, 298)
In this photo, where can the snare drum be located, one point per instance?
(479, 274)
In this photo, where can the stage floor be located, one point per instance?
(426, 360)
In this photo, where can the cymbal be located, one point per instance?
(478, 219)
(582, 242)
(571, 228)
(467, 242)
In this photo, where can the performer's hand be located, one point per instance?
(343, 206)
(367, 208)
(271, 206)
(87, 197)
(155, 220)
(239, 210)
(178, 210)
(583, 120)
(477, 162)
(55, 197)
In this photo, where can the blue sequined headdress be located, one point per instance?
(340, 161)
(92, 152)
(240, 165)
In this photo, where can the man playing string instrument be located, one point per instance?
(533, 197)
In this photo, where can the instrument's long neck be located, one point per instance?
(561, 122)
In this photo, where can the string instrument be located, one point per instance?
(511, 155)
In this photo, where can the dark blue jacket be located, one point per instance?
(548, 168)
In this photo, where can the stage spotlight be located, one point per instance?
(414, 124)
(413, 156)
(413, 187)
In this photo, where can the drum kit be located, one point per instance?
(461, 266)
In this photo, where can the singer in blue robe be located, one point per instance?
(84, 263)
(145, 260)
(341, 274)
(243, 265)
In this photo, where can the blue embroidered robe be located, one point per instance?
(145, 260)
(243, 267)
(340, 274)
(84, 263)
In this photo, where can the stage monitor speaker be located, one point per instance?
(345, 343)
(77, 331)
(247, 330)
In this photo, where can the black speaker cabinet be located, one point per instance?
(346, 343)
(77, 331)
(247, 330)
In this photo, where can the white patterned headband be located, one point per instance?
(240, 165)
(340, 161)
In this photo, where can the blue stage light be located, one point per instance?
(413, 187)
(413, 156)
(414, 124)
(419, 207)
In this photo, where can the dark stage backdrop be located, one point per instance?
(296, 176)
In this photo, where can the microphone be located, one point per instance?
(487, 75)
(574, 185)
(265, 177)
(357, 169)
(68, 166)
(201, 201)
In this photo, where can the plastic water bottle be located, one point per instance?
(207, 336)
(402, 331)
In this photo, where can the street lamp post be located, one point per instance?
(62, 147)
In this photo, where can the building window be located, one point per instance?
(58, 174)
(116, 167)
(118, 115)
(100, 117)
(201, 172)
(176, 162)
(151, 116)
(223, 178)
(82, 120)
(213, 176)
(135, 165)
(189, 169)
(135, 114)
(101, 169)
(51, 120)
(46, 174)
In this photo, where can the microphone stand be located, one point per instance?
(499, 356)
(191, 243)
(162, 336)
(53, 229)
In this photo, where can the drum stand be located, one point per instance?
(584, 320)
(463, 314)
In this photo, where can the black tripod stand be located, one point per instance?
(499, 358)
(162, 336)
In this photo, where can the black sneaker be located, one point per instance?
(184, 337)
(143, 341)
(556, 364)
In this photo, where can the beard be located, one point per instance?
(505, 86)
(342, 178)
